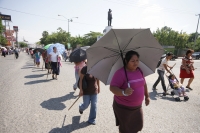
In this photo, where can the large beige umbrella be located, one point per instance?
(105, 56)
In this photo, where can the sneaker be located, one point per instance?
(92, 123)
(154, 88)
(189, 88)
(81, 112)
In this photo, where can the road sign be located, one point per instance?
(5, 17)
(15, 28)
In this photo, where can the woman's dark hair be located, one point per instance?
(169, 53)
(189, 51)
(54, 47)
(129, 55)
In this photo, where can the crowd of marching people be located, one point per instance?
(4, 51)
(128, 98)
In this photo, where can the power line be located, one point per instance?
(46, 16)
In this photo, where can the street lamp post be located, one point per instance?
(196, 31)
(68, 20)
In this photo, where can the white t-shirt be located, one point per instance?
(161, 67)
(54, 56)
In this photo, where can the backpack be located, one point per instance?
(159, 62)
(84, 81)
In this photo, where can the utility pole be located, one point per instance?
(196, 35)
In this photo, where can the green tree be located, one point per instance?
(2, 38)
(45, 34)
(23, 44)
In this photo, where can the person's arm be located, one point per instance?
(80, 85)
(98, 84)
(146, 94)
(165, 66)
(49, 57)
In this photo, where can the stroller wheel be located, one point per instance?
(177, 99)
(186, 98)
(172, 93)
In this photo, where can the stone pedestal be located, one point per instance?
(106, 30)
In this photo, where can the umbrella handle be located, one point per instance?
(129, 85)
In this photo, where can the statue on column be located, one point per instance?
(109, 17)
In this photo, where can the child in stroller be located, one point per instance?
(176, 85)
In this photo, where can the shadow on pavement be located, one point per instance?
(56, 103)
(35, 76)
(153, 95)
(27, 67)
(38, 70)
(71, 127)
(36, 82)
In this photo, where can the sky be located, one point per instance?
(35, 16)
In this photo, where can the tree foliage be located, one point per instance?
(167, 36)
(63, 37)
(23, 44)
(2, 38)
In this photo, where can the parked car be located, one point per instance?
(196, 55)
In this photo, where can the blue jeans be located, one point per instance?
(160, 78)
(76, 77)
(93, 108)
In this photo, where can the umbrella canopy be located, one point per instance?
(60, 48)
(47, 46)
(78, 55)
(105, 56)
(3, 48)
(39, 49)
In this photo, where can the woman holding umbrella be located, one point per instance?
(128, 100)
(53, 57)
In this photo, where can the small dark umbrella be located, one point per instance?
(78, 55)
(39, 49)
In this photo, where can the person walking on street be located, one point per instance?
(16, 53)
(89, 95)
(187, 68)
(3, 52)
(161, 71)
(53, 57)
(37, 58)
(127, 103)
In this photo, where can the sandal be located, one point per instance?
(189, 88)
(52, 76)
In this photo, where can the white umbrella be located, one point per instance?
(105, 56)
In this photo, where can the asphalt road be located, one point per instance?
(32, 103)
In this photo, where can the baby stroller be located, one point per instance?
(175, 90)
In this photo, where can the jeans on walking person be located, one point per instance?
(87, 99)
(160, 78)
(161, 71)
